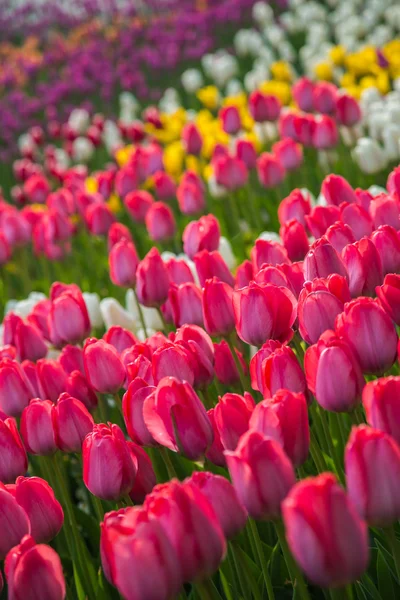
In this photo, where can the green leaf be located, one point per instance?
(388, 558)
(384, 578)
(225, 586)
(370, 588)
(78, 586)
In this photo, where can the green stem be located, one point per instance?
(98, 508)
(261, 558)
(168, 463)
(295, 573)
(339, 593)
(102, 409)
(394, 545)
(246, 578)
(141, 315)
(332, 449)
(317, 455)
(237, 362)
(207, 590)
(208, 401)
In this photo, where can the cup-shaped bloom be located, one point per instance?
(116, 233)
(192, 526)
(230, 172)
(327, 537)
(14, 521)
(52, 378)
(219, 318)
(336, 190)
(137, 203)
(246, 152)
(145, 479)
(364, 267)
(14, 461)
(78, 387)
(372, 464)
(303, 91)
(103, 367)
(192, 139)
(263, 312)
(29, 342)
(152, 279)
(177, 419)
(71, 359)
(223, 498)
(325, 134)
(347, 110)
(270, 171)
(385, 210)
(387, 243)
(98, 218)
(200, 235)
(264, 107)
(320, 302)
(132, 408)
(186, 303)
(322, 260)
(371, 333)
(68, 319)
(225, 366)
(268, 252)
(320, 218)
(261, 473)
(120, 338)
(108, 468)
(284, 418)
(230, 119)
(282, 370)
(164, 185)
(339, 235)
(231, 415)
(190, 197)
(160, 222)
(389, 296)
(15, 389)
(295, 239)
(72, 422)
(173, 360)
(131, 546)
(43, 509)
(357, 218)
(380, 400)
(211, 264)
(37, 430)
(295, 206)
(288, 153)
(30, 562)
(322, 362)
(123, 260)
(179, 270)
(215, 453)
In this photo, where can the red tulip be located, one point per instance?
(364, 267)
(211, 264)
(116, 233)
(288, 153)
(322, 260)
(340, 235)
(200, 235)
(268, 253)
(160, 222)
(387, 243)
(295, 206)
(304, 126)
(320, 218)
(43, 509)
(246, 152)
(37, 429)
(192, 139)
(325, 135)
(261, 473)
(164, 185)
(230, 117)
(215, 453)
(29, 342)
(14, 521)
(281, 369)
(336, 190)
(231, 416)
(385, 210)
(145, 479)
(191, 198)
(270, 171)
(132, 407)
(179, 271)
(108, 468)
(219, 318)
(78, 387)
(15, 389)
(226, 370)
(71, 422)
(177, 419)
(324, 97)
(295, 240)
(14, 461)
(68, 320)
(302, 92)
(152, 280)
(264, 107)
(324, 532)
(244, 274)
(173, 360)
(120, 338)
(71, 359)
(98, 218)
(186, 304)
(358, 219)
(29, 562)
(347, 110)
(230, 172)
(137, 203)
(123, 260)
(380, 400)
(103, 367)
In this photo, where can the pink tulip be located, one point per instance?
(43, 509)
(37, 430)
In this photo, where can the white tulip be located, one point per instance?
(375, 190)
(128, 100)
(151, 317)
(26, 143)
(216, 190)
(262, 13)
(225, 249)
(92, 301)
(79, 120)
(270, 236)
(82, 149)
(391, 140)
(10, 306)
(369, 156)
(61, 158)
(192, 80)
(233, 87)
(114, 314)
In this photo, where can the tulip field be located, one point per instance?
(200, 300)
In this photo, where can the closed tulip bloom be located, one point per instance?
(192, 526)
(302, 92)
(231, 416)
(268, 252)
(295, 240)
(225, 367)
(270, 171)
(288, 153)
(364, 267)
(380, 400)
(177, 419)
(340, 235)
(244, 274)
(192, 139)
(218, 313)
(71, 359)
(324, 97)
(15, 389)
(264, 107)
(230, 172)
(324, 532)
(72, 422)
(173, 359)
(141, 367)
(372, 464)
(347, 110)
(385, 210)
(78, 387)
(261, 473)
(325, 134)
(186, 303)
(211, 264)
(295, 206)
(98, 218)
(389, 296)
(304, 126)
(29, 342)
(215, 452)
(190, 197)
(387, 243)
(120, 338)
(145, 478)
(336, 190)
(37, 430)
(137, 203)
(116, 233)
(29, 562)
(13, 461)
(284, 418)
(246, 152)
(256, 372)
(230, 118)
(43, 509)
(131, 545)
(332, 355)
(123, 260)
(164, 185)
(132, 407)
(108, 469)
(320, 302)
(358, 219)
(68, 320)
(369, 330)
(322, 260)
(264, 312)
(14, 521)
(103, 367)
(152, 279)
(223, 498)
(281, 369)
(203, 234)
(160, 222)
(320, 218)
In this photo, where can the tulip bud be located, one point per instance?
(190, 198)
(270, 171)
(71, 422)
(281, 369)
(29, 342)
(336, 190)
(261, 473)
(29, 562)
(385, 210)
(302, 92)
(186, 304)
(37, 430)
(203, 234)
(223, 498)
(211, 264)
(43, 509)
(160, 222)
(230, 117)
(288, 153)
(304, 126)
(321, 521)
(347, 110)
(322, 260)
(179, 271)
(177, 419)
(15, 389)
(332, 355)
(244, 274)
(388, 245)
(132, 408)
(137, 203)
(145, 479)
(380, 400)
(123, 260)
(370, 332)
(263, 312)
(152, 279)
(364, 267)
(103, 367)
(68, 319)
(120, 338)
(226, 370)
(108, 469)
(14, 521)
(172, 359)
(215, 453)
